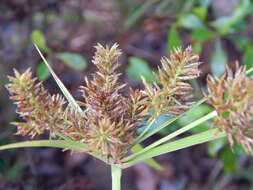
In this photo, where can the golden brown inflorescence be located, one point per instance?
(232, 97)
(35, 105)
(110, 120)
(172, 94)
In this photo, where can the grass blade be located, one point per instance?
(176, 145)
(64, 90)
(71, 145)
(47, 143)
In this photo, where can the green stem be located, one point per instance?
(116, 177)
(174, 134)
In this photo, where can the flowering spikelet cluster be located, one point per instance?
(232, 97)
(35, 105)
(112, 117)
(172, 93)
(108, 125)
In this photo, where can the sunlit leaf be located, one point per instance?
(173, 40)
(38, 38)
(229, 160)
(138, 67)
(200, 12)
(42, 71)
(202, 34)
(214, 147)
(190, 21)
(73, 60)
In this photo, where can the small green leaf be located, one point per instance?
(42, 72)
(219, 59)
(38, 38)
(214, 147)
(73, 60)
(197, 47)
(200, 12)
(202, 34)
(190, 21)
(173, 40)
(229, 160)
(248, 58)
(139, 67)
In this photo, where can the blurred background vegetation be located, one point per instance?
(220, 31)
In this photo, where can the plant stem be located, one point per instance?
(116, 177)
(174, 134)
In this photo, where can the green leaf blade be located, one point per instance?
(73, 60)
(139, 67)
(64, 90)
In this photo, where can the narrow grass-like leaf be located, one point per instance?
(64, 90)
(176, 145)
(71, 145)
(151, 162)
(47, 143)
(176, 133)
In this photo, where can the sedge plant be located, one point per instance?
(105, 123)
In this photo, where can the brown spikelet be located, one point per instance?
(112, 120)
(232, 97)
(172, 93)
(35, 105)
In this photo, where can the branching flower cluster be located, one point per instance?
(110, 119)
(232, 97)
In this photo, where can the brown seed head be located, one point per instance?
(35, 105)
(172, 93)
(232, 97)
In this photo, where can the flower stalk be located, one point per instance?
(116, 173)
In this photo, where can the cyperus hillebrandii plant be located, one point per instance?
(105, 123)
